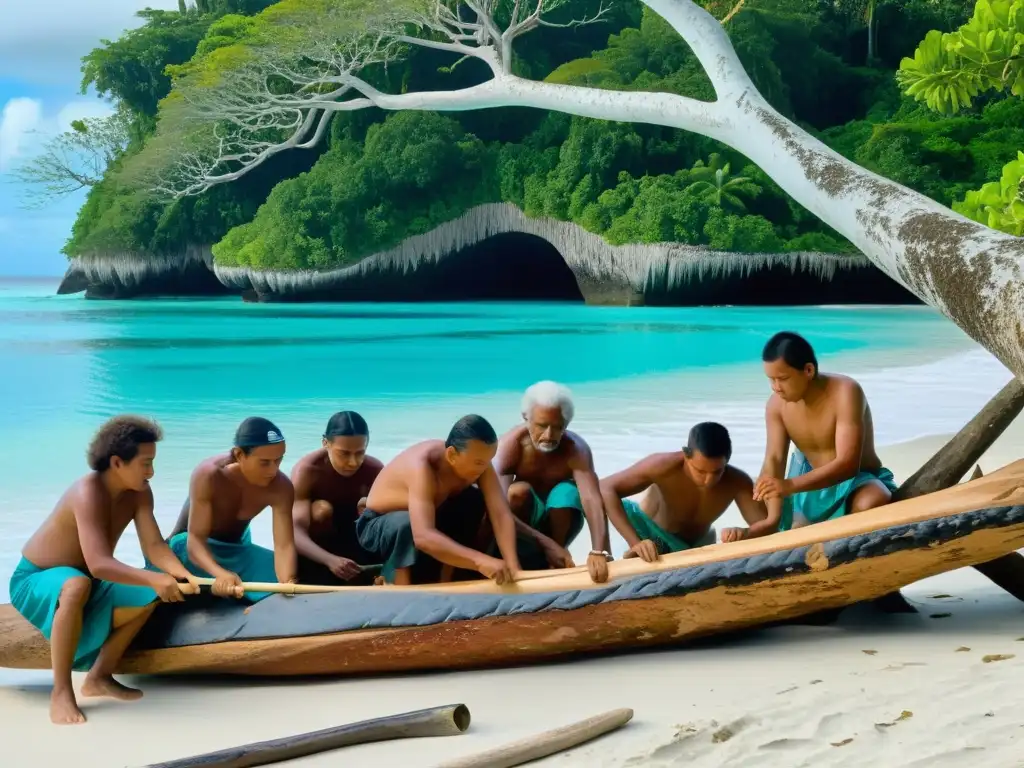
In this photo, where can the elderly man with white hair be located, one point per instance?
(548, 474)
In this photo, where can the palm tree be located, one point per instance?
(713, 183)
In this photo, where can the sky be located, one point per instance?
(41, 46)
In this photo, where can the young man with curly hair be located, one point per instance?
(69, 585)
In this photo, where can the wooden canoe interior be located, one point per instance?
(619, 624)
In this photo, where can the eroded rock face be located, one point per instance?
(131, 275)
(495, 252)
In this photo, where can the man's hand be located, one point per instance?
(361, 506)
(557, 555)
(597, 566)
(228, 585)
(167, 588)
(730, 535)
(646, 550)
(767, 488)
(496, 570)
(343, 568)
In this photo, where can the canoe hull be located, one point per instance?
(560, 614)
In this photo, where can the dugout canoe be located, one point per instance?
(554, 614)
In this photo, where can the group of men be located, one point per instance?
(467, 506)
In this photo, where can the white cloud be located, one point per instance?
(44, 41)
(24, 126)
(18, 119)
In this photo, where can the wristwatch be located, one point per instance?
(607, 555)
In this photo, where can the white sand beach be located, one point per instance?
(941, 688)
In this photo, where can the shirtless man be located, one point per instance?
(331, 485)
(834, 469)
(427, 505)
(686, 492)
(226, 492)
(69, 585)
(548, 475)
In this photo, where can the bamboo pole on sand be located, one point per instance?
(449, 720)
(544, 744)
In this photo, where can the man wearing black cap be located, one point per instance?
(225, 493)
(331, 485)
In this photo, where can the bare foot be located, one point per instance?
(108, 686)
(64, 709)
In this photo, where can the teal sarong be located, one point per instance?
(666, 542)
(250, 561)
(388, 536)
(35, 594)
(563, 496)
(811, 507)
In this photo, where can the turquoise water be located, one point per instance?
(641, 375)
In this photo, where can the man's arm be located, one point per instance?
(849, 444)
(756, 513)
(301, 519)
(503, 522)
(582, 465)
(627, 482)
(425, 535)
(151, 540)
(286, 563)
(776, 450)
(92, 515)
(200, 523)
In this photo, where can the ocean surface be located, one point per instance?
(641, 377)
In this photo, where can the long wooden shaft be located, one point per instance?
(448, 720)
(951, 462)
(544, 744)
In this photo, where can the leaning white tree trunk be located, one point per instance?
(968, 272)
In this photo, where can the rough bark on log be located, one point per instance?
(948, 466)
(448, 720)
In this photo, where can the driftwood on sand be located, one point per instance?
(448, 720)
(544, 744)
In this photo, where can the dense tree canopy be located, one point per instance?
(380, 177)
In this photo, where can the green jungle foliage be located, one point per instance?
(381, 177)
(977, 64)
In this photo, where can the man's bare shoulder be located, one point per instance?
(373, 464)
(425, 451)
(308, 465)
(281, 485)
(211, 466)
(579, 445)
(663, 463)
(513, 435)
(844, 385)
(774, 405)
(88, 489)
(736, 479)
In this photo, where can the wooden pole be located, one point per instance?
(544, 744)
(948, 466)
(448, 720)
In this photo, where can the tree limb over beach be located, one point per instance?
(278, 84)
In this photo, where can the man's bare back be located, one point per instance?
(57, 543)
(390, 491)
